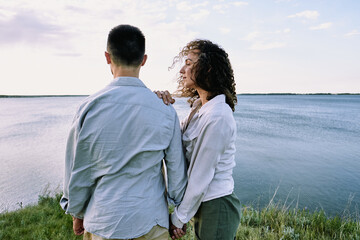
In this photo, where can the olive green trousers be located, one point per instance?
(218, 219)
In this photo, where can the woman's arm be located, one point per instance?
(211, 144)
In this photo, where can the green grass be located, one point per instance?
(43, 221)
(48, 221)
(275, 222)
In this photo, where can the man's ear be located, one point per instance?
(144, 60)
(108, 58)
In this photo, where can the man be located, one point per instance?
(114, 187)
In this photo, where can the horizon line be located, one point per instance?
(85, 95)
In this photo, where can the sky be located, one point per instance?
(50, 47)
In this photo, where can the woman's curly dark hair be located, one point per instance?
(212, 72)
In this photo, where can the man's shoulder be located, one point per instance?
(90, 100)
(147, 98)
(128, 95)
(157, 104)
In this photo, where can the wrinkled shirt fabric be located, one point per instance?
(116, 146)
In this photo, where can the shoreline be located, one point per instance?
(39, 96)
(249, 94)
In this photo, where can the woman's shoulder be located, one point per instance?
(219, 110)
(220, 116)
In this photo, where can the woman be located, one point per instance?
(209, 134)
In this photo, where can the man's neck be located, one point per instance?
(119, 71)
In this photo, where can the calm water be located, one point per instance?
(306, 148)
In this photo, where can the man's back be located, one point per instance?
(120, 136)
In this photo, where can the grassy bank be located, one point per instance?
(47, 221)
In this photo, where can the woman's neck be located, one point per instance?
(203, 96)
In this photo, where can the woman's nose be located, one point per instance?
(182, 70)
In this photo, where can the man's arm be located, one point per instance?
(176, 174)
(176, 166)
(78, 181)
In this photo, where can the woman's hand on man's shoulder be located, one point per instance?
(165, 96)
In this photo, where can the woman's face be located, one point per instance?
(187, 76)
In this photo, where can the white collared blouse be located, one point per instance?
(209, 143)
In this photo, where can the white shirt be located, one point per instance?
(114, 155)
(209, 142)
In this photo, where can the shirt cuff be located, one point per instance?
(77, 216)
(176, 221)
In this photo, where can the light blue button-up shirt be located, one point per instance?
(114, 154)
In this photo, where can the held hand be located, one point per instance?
(78, 226)
(177, 233)
(165, 96)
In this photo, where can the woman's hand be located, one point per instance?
(176, 233)
(165, 96)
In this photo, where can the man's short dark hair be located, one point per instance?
(126, 45)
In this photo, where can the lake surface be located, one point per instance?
(304, 148)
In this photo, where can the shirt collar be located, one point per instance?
(209, 105)
(127, 81)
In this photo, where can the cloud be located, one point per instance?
(269, 36)
(225, 30)
(321, 26)
(188, 6)
(266, 46)
(68, 54)
(184, 6)
(261, 41)
(306, 14)
(221, 8)
(200, 15)
(76, 9)
(30, 28)
(352, 33)
(287, 30)
(251, 36)
(6, 15)
(240, 3)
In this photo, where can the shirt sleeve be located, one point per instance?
(78, 181)
(211, 143)
(175, 166)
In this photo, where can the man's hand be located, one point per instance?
(78, 226)
(165, 96)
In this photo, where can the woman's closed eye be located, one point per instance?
(188, 62)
